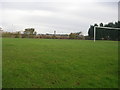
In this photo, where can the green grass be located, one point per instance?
(52, 63)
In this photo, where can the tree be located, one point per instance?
(91, 32)
(29, 32)
(72, 36)
(35, 33)
(17, 34)
(95, 24)
(77, 35)
(118, 24)
(110, 24)
(101, 24)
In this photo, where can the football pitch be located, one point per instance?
(55, 63)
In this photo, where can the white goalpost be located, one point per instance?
(104, 28)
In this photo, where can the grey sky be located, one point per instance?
(64, 16)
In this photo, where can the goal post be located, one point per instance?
(103, 28)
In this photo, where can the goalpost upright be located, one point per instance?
(104, 28)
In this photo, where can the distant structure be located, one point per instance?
(54, 32)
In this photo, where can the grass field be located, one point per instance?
(52, 63)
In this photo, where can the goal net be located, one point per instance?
(106, 33)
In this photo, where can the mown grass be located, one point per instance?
(50, 63)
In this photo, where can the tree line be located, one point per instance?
(104, 33)
(28, 33)
(31, 33)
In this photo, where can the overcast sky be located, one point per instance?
(63, 16)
